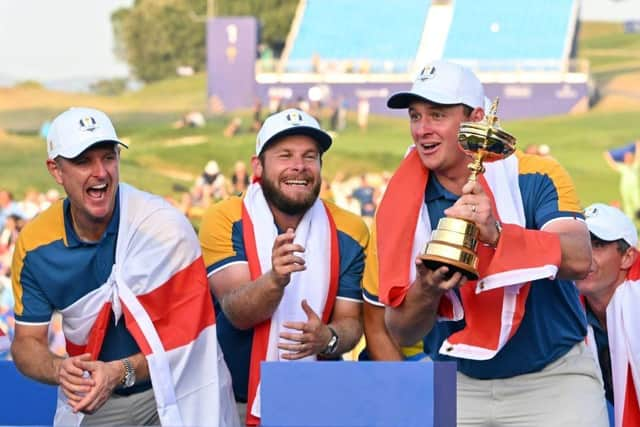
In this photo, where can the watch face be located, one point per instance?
(130, 379)
(129, 374)
(333, 343)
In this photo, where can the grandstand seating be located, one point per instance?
(497, 34)
(380, 35)
(343, 36)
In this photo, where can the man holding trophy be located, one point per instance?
(477, 261)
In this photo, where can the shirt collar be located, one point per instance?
(72, 238)
(435, 191)
(592, 319)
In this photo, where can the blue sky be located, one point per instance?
(49, 40)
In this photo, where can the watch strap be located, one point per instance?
(332, 345)
(129, 377)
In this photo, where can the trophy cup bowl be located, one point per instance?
(454, 242)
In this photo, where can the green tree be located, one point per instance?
(155, 37)
(275, 17)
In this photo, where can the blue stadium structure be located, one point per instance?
(361, 34)
(362, 50)
(339, 35)
(499, 35)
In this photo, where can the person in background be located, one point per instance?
(240, 178)
(210, 186)
(629, 170)
(8, 207)
(364, 193)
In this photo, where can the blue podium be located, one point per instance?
(358, 394)
(24, 401)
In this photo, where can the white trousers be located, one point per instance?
(566, 393)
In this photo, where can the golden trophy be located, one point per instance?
(454, 242)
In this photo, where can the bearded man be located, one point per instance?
(284, 266)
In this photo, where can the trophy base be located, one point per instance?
(453, 244)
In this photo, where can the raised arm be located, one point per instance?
(609, 160)
(575, 245)
(247, 302)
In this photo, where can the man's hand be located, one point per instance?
(106, 376)
(312, 339)
(413, 319)
(283, 258)
(71, 376)
(474, 205)
(434, 283)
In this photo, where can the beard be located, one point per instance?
(286, 204)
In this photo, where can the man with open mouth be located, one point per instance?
(517, 333)
(125, 270)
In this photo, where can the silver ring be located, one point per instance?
(473, 208)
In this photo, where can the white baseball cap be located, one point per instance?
(445, 83)
(609, 224)
(291, 122)
(77, 129)
(212, 168)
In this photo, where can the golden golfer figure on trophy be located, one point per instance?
(454, 241)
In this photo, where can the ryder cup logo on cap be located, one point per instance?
(427, 73)
(291, 122)
(294, 117)
(88, 124)
(444, 83)
(609, 224)
(77, 129)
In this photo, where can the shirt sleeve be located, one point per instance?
(221, 235)
(31, 302)
(547, 190)
(351, 268)
(370, 279)
(353, 239)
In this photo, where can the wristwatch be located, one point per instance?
(332, 346)
(129, 378)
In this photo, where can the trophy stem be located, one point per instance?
(476, 166)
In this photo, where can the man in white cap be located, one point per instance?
(284, 266)
(125, 270)
(516, 333)
(612, 294)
